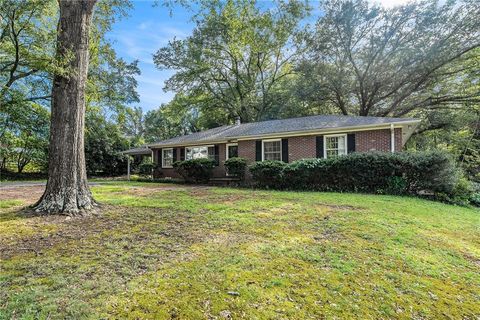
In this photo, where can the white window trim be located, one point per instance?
(163, 157)
(227, 156)
(332, 136)
(271, 140)
(201, 146)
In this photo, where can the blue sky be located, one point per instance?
(139, 36)
(149, 28)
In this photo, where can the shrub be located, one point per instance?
(475, 199)
(428, 173)
(475, 196)
(146, 168)
(195, 170)
(268, 174)
(236, 167)
(433, 171)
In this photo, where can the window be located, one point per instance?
(272, 149)
(232, 150)
(335, 145)
(200, 152)
(167, 158)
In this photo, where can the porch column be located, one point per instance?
(128, 167)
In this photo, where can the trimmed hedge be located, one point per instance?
(432, 174)
(236, 167)
(195, 170)
(268, 174)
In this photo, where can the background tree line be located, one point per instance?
(257, 62)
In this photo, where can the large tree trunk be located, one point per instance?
(67, 191)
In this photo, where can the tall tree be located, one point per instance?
(368, 60)
(237, 57)
(67, 191)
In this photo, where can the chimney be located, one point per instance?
(237, 121)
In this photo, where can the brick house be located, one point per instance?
(286, 140)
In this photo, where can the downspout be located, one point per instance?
(392, 138)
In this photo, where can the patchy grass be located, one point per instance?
(161, 251)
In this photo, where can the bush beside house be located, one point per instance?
(431, 174)
(195, 170)
(236, 167)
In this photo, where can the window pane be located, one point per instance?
(332, 142)
(335, 146)
(167, 158)
(272, 156)
(232, 151)
(211, 153)
(196, 153)
(332, 153)
(272, 150)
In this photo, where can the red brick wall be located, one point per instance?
(302, 148)
(377, 140)
(246, 149)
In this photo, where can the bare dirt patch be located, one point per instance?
(28, 194)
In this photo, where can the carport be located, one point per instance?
(141, 152)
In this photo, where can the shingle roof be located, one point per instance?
(214, 134)
(269, 127)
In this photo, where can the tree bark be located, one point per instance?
(67, 191)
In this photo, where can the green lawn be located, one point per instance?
(162, 251)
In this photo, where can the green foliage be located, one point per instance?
(104, 143)
(461, 194)
(391, 173)
(475, 196)
(146, 167)
(27, 64)
(238, 59)
(195, 170)
(24, 136)
(236, 166)
(268, 174)
(169, 120)
(369, 60)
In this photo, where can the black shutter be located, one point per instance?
(350, 142)
(182, 154)
(319, 146)
(160, 163)
(217, 155)
(174, 154)
(285, 150)
(258, 150)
